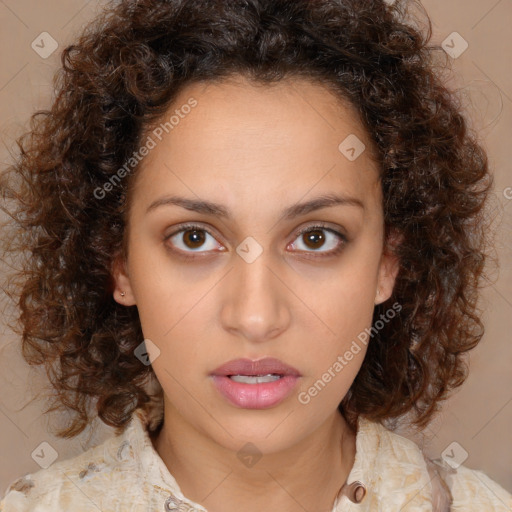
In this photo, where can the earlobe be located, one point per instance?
(122, 293)
(388, 270)
(387, 276)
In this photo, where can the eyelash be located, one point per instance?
(319, 226)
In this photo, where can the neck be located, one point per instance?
(306, 475)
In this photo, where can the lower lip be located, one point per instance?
(255, 396)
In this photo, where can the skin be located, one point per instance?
(256, 150)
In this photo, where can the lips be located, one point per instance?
(261, 367)
(258, 384)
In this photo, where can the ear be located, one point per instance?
(123, 293)
(388, 268)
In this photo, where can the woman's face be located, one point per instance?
(244, 284)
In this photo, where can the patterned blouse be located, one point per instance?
(126, 474)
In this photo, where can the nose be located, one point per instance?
(255, 300)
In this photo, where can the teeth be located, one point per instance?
(252, 379)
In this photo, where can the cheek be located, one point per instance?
(327, 388)
(344, 299)
(337, 341)
(334, 358)
(173, 310)
(163, 294)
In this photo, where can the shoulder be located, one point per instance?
(78, 483)
(474, 490)
(398, 474)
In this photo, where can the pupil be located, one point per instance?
(314, 237)
(196, 238)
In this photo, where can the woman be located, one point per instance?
(257, 234)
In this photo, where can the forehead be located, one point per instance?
(246, 140)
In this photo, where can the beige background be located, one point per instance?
(479, 416)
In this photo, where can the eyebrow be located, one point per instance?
(295, 210)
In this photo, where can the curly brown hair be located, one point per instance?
(120, 77)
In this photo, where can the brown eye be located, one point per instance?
(315, 238)
(193, 238)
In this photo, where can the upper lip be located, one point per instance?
(263, 366)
